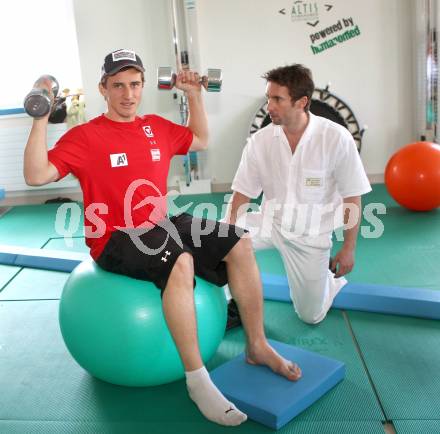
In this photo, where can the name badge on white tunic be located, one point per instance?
(313, 182)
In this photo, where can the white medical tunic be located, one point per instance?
(302, 203)
(305, 190)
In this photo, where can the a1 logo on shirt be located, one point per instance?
(148, 131)
(118, 160)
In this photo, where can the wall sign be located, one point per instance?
(331, 36)
(326, 36)
(305, 11)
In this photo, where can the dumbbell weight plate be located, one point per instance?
(214, 80)
(37, 103)
(166, 78)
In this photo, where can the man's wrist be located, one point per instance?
(193, 93)
(41, 121)
(349, 245)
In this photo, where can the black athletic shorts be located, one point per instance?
(151, 255)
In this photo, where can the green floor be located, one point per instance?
(392, 362)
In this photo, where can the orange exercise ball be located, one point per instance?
(412, 176)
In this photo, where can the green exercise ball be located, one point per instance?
(114, 326)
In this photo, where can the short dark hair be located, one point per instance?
(298, 80)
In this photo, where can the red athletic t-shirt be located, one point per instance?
(122, 168)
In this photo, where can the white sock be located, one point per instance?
(213, 405)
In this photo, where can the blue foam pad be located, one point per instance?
(417, 302)
(271, 399)
(54, 260)
(2, 193)
(275, 287)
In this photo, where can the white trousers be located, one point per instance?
(312, 285)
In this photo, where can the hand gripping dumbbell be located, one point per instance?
(166, 79)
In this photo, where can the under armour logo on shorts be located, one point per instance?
(164, 258)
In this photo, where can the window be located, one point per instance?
(36, 38)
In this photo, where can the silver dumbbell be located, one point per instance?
(166, 79)
(37, 102)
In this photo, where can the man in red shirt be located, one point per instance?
(122, 161)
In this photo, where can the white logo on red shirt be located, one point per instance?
(118, 160)
(155, 154)
(148, 131)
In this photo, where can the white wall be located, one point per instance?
(372, 73)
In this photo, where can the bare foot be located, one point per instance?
(265, 355)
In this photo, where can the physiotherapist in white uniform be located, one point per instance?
(312, 178)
